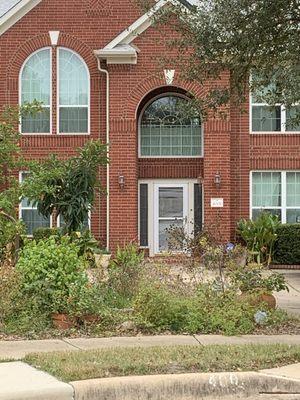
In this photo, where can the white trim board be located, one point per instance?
(16, 13)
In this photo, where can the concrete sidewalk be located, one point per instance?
(15, 350)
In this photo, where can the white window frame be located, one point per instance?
(152, 231)
(283, 206)
(29, 208)
(51, 92)
(57, 95)
(140, 120)
(282, 118)
(89, 221)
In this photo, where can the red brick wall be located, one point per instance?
(228, 147)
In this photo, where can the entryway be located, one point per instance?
(164, 204)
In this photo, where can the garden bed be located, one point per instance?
(71, 366)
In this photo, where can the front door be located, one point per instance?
(170, 209)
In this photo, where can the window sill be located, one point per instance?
(169, 157)
(275, 133)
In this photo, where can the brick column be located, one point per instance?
(217, 159)
(123, 202)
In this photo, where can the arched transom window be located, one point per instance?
(71, 83)
(167, 131)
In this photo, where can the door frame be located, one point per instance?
(172, 182)
(185, 211)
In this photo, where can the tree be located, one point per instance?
(10, 162)
(245, 37)
(67, 187)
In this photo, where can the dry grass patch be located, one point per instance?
(71, 366)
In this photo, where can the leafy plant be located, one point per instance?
(67, 186)
(45, 233)
(125, 270)
(48, 270)
(251, 279)
(260, 236)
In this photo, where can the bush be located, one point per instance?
(287, 245)
(48, 270)
(260, 236)
(45, 233)
(206, 312)
(125, 270)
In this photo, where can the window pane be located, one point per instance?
(257, 212)
(163, 231)
(293, 125)
(33, 220)
(73, 93)
(73, 120)
(170, 202)
(166, 131)
(35, 85)
(293, 189)
(266, 189)
(38, 123)
(293, 216)
(266, 119)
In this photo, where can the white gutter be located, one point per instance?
(107, 142)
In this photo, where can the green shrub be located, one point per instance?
(206, 312)
(45, 233)
(260, 236)
(48, 270)
(125, 270)
(287, 245)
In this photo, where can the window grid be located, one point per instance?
(36, 84)
(282, 125)
(29, 214)
(288, 198)
(73, 93)
(163, 135)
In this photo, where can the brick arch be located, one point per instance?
(38, 42)
(131, 104)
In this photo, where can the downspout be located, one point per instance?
(107, 142)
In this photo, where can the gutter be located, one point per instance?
(102, 70)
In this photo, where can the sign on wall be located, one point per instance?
(217, 203)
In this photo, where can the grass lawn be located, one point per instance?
(79, 365)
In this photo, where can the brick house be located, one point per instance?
(94, 65)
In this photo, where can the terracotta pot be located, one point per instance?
(62, 321)
(269, 299)
(260, 297)
(90, 319)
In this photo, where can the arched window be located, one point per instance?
(167, 131)
(36, 85)
(74, 93)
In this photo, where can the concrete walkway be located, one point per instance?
(16, 350)
(290, 301)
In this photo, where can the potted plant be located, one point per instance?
(87, 303)
(62, 318)
(258, 284)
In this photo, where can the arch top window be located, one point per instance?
(69, 83)
(166, 130)
(73, 93)
(36, 85)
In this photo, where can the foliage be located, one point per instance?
(87, 299)
(125, 270)
(287, 245)
(48, 270)
(260, 236)
(67, 186)
(208, 311)
(10, 161)
(251, 279)
(44, 233)
(240, 37)
(87, 245)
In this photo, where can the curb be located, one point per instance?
(19, 381)
(186, 386)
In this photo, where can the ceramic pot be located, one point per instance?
(62, 321)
